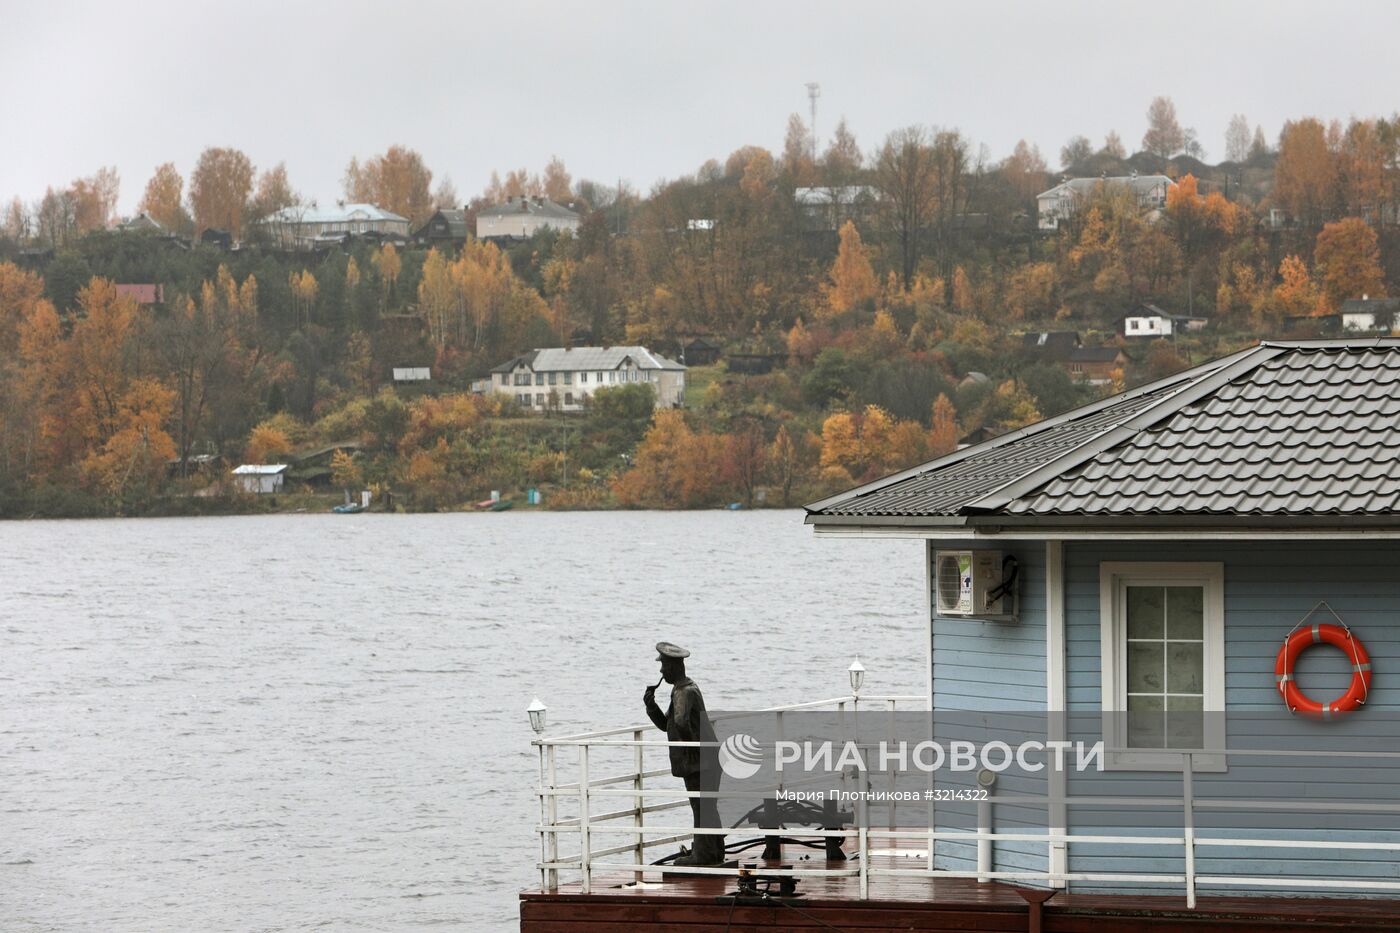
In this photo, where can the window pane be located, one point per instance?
(1145, 663)
(1185, 724)
(1145, 726)
(1185, 668)
(1184, 616)
(1145, 611)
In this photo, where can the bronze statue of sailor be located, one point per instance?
(685, 720)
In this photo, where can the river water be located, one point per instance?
(316, 721)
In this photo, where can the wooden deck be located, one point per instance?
(696, 904)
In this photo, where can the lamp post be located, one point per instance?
(537, 711)
(857, 673)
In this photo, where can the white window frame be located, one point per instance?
(1114, 578)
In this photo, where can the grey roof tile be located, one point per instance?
(1285, 429)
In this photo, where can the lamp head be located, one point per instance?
(537, 711)
(857, 673)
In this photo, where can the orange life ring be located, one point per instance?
(1335, 635)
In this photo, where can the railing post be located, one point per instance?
(862, 812)
(552, 811)
(585, 856)
(639, 762)
(1188, 829)
(544, 827)
(984, 841)
(894, 775)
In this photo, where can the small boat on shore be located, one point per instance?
(494, 505)
(349, 508)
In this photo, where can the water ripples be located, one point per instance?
(306, 722)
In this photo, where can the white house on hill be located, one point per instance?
(1064, 200)
(523, 217)
(564, 378)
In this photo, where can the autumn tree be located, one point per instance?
(906, 176)
(1361, 169)
(206, 355)
(840, 448)
(102, 364)
(397, 181)
(943, 433)
(1164, 137)
(842, 158)
(799, 151)
(1024, 170)
(16, 222)
(219, 187)
(20, 291)
(853, 284)
(789, 460)
(304, 288)
(1200, 223)
(1258, 146)
(953, 167)
(1305, 174)
(1077, 149)
(674, 467)
(1296, 294)
(56, 217)
(387, 263)
(95, 199)
(558, 183)
(267, 443)
(445, 195)
(743, 459)
(1113, 145)
(163, 199)
(1237, 139)
(1348, 262)
(346, 471)
(274, 193)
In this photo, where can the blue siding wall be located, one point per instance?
(989, 667)
(1269, 586)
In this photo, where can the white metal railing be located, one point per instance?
(619, 805)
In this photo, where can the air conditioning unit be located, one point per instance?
(974, 584)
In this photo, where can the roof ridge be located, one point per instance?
(1191, 392)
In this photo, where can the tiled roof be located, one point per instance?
(340, 213)
(1141, 184)
(542, 207)
(454, 220)
(1093, 354)
(573, 359)
(1284, 429)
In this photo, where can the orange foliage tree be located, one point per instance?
(853, 284)
(944, 433)
(397, 181)
(219, 187)
(674, 467)
(1296, 294)
(1305, 174)
(1348, 261)
(163, 199)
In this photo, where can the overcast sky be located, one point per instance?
(643, 90)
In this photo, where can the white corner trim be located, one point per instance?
(1055, 697)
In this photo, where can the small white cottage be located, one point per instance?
(260, 477)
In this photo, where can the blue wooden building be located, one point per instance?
(1150, 554)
